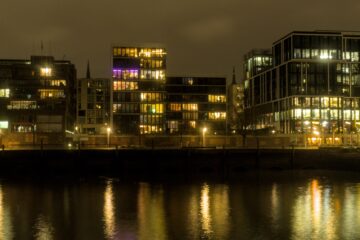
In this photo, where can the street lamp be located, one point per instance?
(108, 131)
(203, 135)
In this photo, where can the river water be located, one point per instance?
(257, 205)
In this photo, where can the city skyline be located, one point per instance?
(213, 35)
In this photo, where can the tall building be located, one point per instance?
(138, 90)
(312, 87)
(37, 96)
(195, 103)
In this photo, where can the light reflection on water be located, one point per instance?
(314, 207)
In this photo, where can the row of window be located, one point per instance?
(324, 102)
(22, 105)
(317, 114)
(135, 52)
(150, 129)
(125, 86)
(53, 93)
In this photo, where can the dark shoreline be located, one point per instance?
(223, 163)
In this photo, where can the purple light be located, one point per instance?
(120, 73)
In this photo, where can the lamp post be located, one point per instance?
(108, 131)
(203, 135)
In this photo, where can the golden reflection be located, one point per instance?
(205, 209)
(221, 211)
(151, 213)
(313, 214)
(44, 229)
(109, 211)
(6, 231)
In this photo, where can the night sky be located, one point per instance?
(202, 37)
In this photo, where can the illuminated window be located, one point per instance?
(126, 74)
(151, 97)
(175, 107)
(4, 124)
(334, 102)
(45, 72)
(306, 113)
(151, 63)
(152, 52)
(297, 113)
(51, 93)
(315, 114)
(122, 85)
(56, 83)
(217, 115)
(190, 107)
(325, 102)
(152, 74)
(216, 98)
(192, 124)
(22, 105)
(347, 114)
(150, 129)
(4, 93)
(151, 108)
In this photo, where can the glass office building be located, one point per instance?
(311, 87)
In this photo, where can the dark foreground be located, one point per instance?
(224, 163)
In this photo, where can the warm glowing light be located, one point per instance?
(109, 211)
(306, 122)
(316, 133)
(205, 209)
(108, 130)
(204, 130)
(45, 72)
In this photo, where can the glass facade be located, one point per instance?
(312, 87)
(138, 90)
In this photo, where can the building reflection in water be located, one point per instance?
(151, 213)
(43, 228)
(275, 206)
(313, 213)
(209, 212)
(109, 211)
(6, 230)
(205, 210)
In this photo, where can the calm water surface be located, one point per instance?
(276, 205)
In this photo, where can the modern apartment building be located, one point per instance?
(37, 95)
(312, 86)
(138, 90)
(195, 104)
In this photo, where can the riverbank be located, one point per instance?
(172, 162)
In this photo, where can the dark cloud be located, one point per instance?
(202, 36)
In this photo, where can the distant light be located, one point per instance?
(108, 130)
(273, 131)
(69, 145)
(324, 123)
(306, 122)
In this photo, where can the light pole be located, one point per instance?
(108, 131)
(203, 135)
